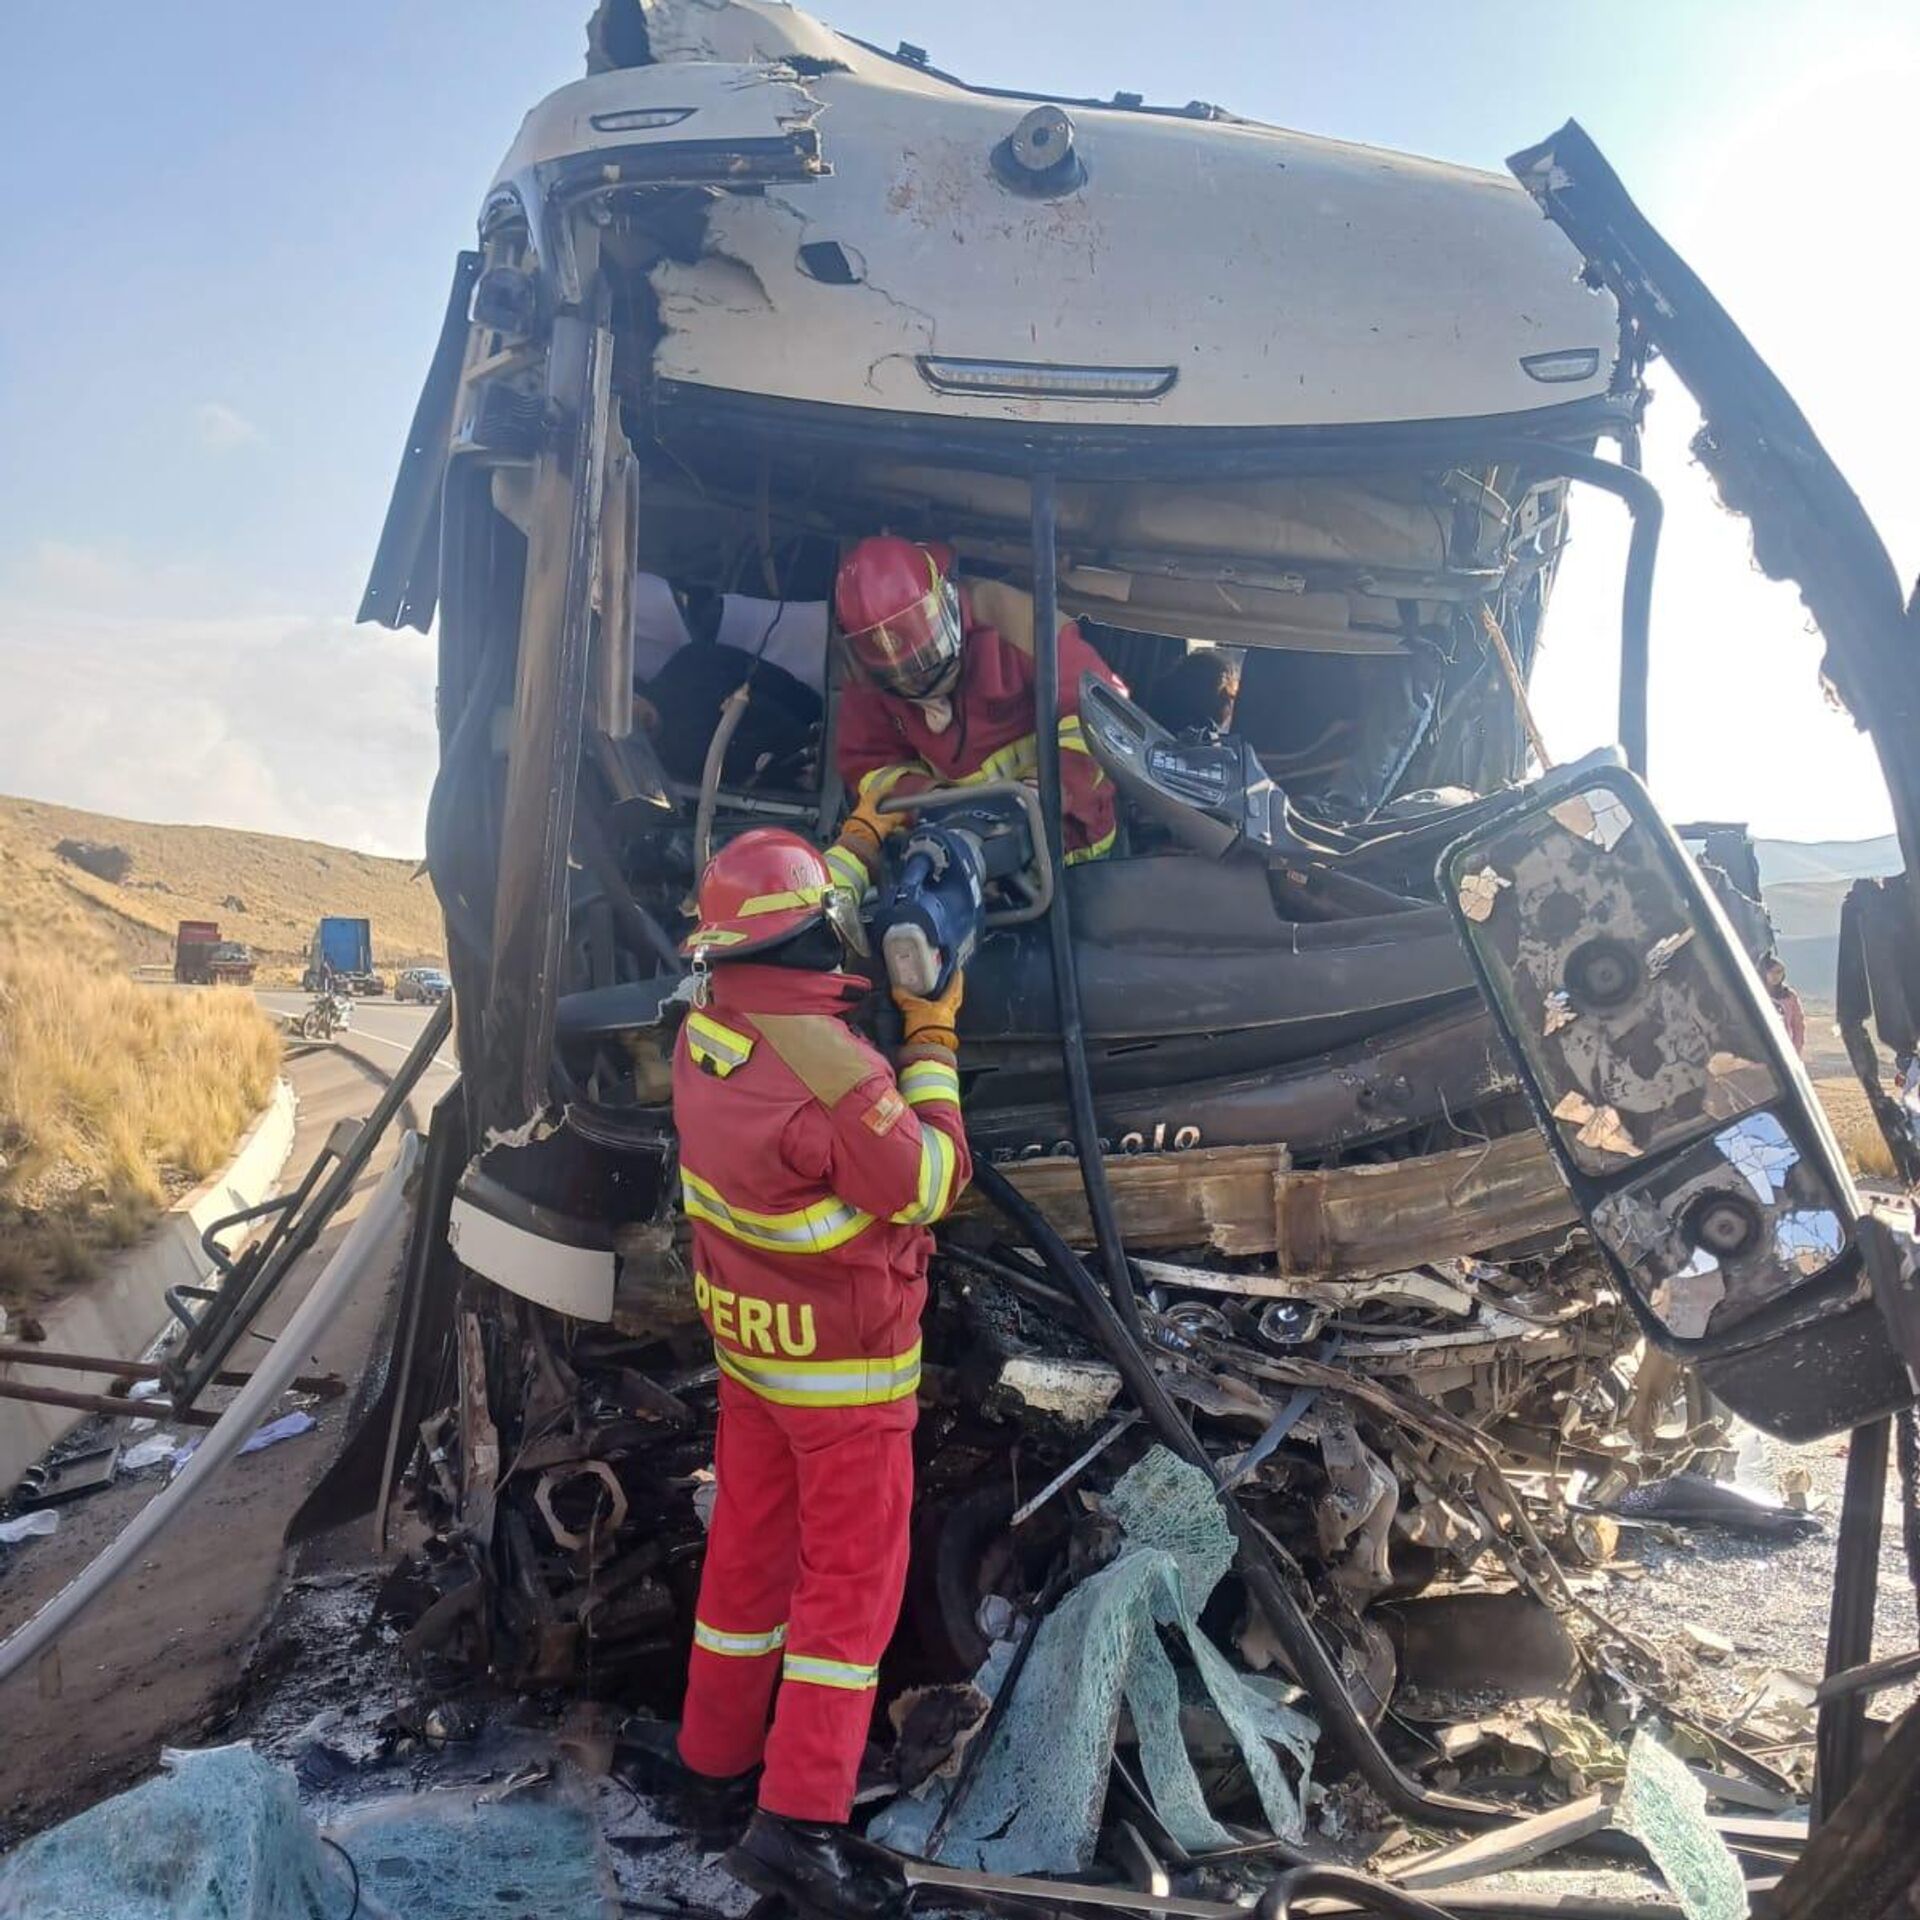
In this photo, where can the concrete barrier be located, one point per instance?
(123, 1309)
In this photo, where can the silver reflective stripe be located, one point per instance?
(825, 1383)
(936, 1180)
(925, 1081)
(816, 1229)
(849, 869)
(739, 1646)
(722, 1041)
(719, 1049)
(829, 1673)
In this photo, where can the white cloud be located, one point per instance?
(279, 723)
(224, 429)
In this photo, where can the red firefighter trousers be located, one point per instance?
(806, 1563)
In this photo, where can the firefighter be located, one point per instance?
(942, 695)
(811, 1170)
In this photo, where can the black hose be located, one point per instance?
(352, 1868)
(1114, 1316)
(1317, 1881)
(1352, 1737)
(1066, 980)
(1642, 501)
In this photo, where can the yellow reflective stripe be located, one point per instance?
(849, 869)
(892, 1365)
(824, 1383)
(715, 937)
(882, 780)
(1017, 760)
(780, 902)
(716, 1046)
(829, 1673)
(1094, 852)
(739, 1646)
(1072, 737)
(819, 1228)
(925, 1081)
(935, 1182)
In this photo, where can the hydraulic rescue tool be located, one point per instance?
(934, 905)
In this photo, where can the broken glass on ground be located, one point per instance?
(221, 1834)
(1035, 1800)
(1666, 1808)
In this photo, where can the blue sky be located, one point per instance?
(228, 246)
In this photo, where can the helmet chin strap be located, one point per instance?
(937, 702)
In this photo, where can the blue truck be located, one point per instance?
(343, 948)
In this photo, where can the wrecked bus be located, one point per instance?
(1377, 1128)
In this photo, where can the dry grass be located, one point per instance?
(1855, 1128)
(192, 873)
(114, 1098)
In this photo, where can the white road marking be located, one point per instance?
(301, 1002)
(439, 1059)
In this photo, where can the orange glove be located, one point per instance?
(866, 830)
(931, 1023)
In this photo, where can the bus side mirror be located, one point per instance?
(1682, 1121)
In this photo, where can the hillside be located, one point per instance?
(261, 888)
(114, 1097)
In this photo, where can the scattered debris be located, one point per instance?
(61, 1477)
(1510, 1846)
(148, 1451)
(1796, 1489)
(287, 1426)
(29, 1526)
(1706, 1644)
(1692, 1500)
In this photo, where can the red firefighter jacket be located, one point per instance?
(887, 744)
(811, 1174)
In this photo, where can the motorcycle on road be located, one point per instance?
(331, 1013)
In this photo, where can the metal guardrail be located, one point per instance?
(250, 1279)
(236, 1422)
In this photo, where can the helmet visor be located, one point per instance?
(843, 916)
(910, 652)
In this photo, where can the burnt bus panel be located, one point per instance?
(1769, 465)
(530, 908)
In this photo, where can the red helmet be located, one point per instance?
(900, 614)
(763, 888)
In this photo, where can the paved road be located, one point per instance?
(382, 1034)
(159, 1659)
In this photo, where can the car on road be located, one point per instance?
(424, 984)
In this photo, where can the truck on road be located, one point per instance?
(343, 949)
(202, 959)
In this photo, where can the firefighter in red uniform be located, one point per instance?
(942, 695)
(811, 1170)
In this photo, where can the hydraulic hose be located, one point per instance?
(1066, 980)
(1362, 1890)
(1114, 1316)
(731, 710)
(1353, 1738)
